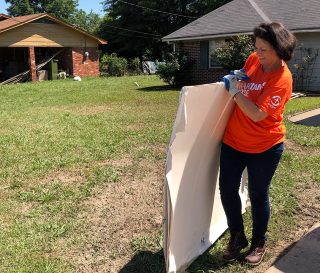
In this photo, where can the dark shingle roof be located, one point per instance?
(241, 16)
(295, 14)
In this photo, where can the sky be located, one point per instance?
(86, 5)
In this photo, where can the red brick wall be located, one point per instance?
(32, 63)
(85, 66)
(196, 74)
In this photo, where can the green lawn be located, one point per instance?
(53, 127)
(63, 126)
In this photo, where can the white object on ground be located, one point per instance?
(77, 78)
(62, 75)
(193, 214)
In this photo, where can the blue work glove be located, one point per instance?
(231, 84)
(231, 80)
(240, 74)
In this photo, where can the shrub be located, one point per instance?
(233, 53)
(112, 65)
(171, 70)
(147, 55)
(135, 66)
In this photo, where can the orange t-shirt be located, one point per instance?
(269, 91)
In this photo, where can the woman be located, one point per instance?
(254, 135)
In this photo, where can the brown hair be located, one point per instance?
(280, 38)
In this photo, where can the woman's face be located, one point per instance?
(266, 54)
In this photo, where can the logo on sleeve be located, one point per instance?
(275, 101)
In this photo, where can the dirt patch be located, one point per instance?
(116, 214)
(125, 161)
(291, 146)
(67, 178)
(75, 176)
(85, 109)
(134, 127)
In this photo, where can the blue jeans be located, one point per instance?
(261, 168)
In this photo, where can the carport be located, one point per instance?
(29, 43)
(12, 62)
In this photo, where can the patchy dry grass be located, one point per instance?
(81, 172)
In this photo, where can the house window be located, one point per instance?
(213, 44)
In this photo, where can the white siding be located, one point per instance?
(308, 41)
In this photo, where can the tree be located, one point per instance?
(19, 7)
(88, 21)
(148, 25)
(63, 9)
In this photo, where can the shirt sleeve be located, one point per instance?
(275, 95)
(250, 60)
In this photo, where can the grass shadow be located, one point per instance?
(145, 262)
(212, 261)
(159, 88)
(207, 263)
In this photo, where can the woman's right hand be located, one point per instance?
(231, 84)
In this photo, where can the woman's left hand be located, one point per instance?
(240, 74)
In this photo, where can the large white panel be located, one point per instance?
(193, 214)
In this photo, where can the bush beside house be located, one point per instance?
(112, 65)
(172, 69)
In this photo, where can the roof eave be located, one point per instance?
(205, 37)
(22, 23)
(4, 15)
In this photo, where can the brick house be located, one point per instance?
(26, 41)
(239, 17)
